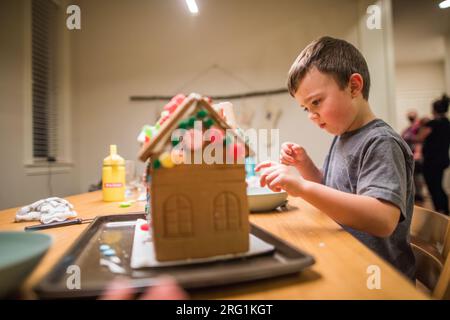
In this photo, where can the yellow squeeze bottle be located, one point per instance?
(113, 176)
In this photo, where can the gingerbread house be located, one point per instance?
(197, 210)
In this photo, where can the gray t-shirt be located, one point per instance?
(375, 161)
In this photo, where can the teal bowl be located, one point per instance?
(20, 252)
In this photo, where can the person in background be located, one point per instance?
(436, 141)
(410, 137)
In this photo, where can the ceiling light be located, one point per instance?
(192, 6)
(444, 4)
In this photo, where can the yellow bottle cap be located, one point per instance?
(113, 158)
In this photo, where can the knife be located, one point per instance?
(57, 224)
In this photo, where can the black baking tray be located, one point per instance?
(85, 255)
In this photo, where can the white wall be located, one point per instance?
(447, 63)
(17, 187)
(418, 85)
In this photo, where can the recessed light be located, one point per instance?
(192, 6)
(444, 4)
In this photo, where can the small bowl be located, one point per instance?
(20, 252)
(265, 200)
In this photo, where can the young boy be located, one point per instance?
(366, 183)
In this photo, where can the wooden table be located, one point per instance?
(340, 271)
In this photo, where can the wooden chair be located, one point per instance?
(430, 241)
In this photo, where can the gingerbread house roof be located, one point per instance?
(189, 105)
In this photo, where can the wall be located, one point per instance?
(418, 85)
(18, 187)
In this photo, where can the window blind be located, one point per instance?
(44, 13)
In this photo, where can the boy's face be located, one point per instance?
(328, 106)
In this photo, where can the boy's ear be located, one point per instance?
(356, 84)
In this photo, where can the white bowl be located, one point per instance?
(265, 200)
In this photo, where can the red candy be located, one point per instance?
(237, 151)
(144, 227)
(174, 103)
(178, 99)
(171, 106)
(214, 135)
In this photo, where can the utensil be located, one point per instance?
(57, 224)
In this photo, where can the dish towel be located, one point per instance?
(47, 210)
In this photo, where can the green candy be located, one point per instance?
(202, 113)
(191, 121)
(175, 142)
(208, 122)
(183, 124)
(156, 164)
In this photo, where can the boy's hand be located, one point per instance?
(277, 177)
(292, 154)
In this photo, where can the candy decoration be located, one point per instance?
(109, 252)
(104, 247)
(178, 99)
(202, 113)
(208, 122)
(175, 142)
(191, 122)
(237, 150)
(144, 227)
(214, 135)
(174, 103)
(124, 204)
(166, 160)
(177, 156)
(156, 164)
(164, 116)
(170, 107)
(183, 125)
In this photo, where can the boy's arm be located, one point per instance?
(364, 213)
(360, 212)
(294, 155)
(309, 171)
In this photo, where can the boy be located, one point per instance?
(366, 184)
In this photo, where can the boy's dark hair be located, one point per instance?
(331, 56)
(441, 105)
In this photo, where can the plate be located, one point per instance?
(265, 200)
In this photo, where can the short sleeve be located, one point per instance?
(383, 173)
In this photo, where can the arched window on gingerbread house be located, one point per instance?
(177, 216)
(227, 214)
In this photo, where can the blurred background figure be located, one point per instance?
(435, 135)
(166, 289)
(410, 135)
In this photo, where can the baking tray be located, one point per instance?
(83, 260)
